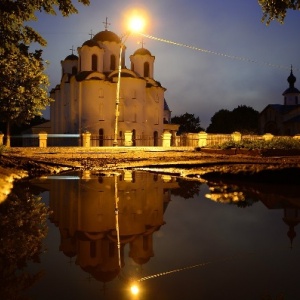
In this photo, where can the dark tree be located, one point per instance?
(243, 119)
(23, 82)
(188, 123)
(221, 122)
(277, 9)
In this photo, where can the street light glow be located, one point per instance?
(136, 24)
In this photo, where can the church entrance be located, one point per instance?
(101, 137)
(155, 138)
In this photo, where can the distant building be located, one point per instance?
(283, 119)
(85, 99)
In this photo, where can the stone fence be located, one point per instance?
(201, 139)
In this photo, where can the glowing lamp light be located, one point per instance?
(136, 24)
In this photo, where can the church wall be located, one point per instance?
(98, 106)
(154, 110)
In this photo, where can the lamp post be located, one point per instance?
(115, 142)
(136, 24)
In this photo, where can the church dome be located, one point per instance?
(142, 51)
(90, 43)
(71, 57)
(291, 90)
(106, 36)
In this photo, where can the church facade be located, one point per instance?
(283, 119)
(86, 100)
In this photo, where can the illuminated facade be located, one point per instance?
(85, 99)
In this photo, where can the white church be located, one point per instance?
(86, 98)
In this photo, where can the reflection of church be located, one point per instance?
(283, 119)
(84, 211)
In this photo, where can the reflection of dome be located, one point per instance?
(71, 57)
(141, 260)
(142, 51)
(100, 275)
(106, 36)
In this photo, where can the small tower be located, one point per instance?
(70, 64)
(142, 63)
(291, 95)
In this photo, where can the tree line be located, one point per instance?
(242, 118)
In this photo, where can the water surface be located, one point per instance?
(178, 239)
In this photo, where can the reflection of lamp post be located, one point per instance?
(136, 25)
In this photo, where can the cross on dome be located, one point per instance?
(106, 24)
(72, 49)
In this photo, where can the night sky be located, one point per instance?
(237, 59)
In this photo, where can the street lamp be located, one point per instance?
(136, 24)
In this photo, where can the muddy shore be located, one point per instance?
(184, 162)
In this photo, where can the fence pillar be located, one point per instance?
(43, 139)
(202, 142)
(236, 136)
(86, 139)
(268, 136)
(166, 139)
(1, 139)
(128, 138)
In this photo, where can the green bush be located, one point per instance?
(285, 143)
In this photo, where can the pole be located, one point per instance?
(115, 142)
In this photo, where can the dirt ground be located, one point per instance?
(16, 163)
(37, 161)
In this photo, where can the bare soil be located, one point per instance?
(181, 162)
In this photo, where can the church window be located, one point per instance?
(133, 138)
(112, 62)
(133, 94)
(101, 112)
(146, 69)
(74, 70)
(94, 62)
(156, 117)
(132, 66)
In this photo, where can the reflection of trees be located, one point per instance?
(187, 188)
(22, 229)
(229, 194)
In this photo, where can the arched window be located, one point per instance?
(94, 62)
(112, 62)
(146, 69)
(132, 66)
(74, 70)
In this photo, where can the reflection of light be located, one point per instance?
(61, 177)
(134, 289)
